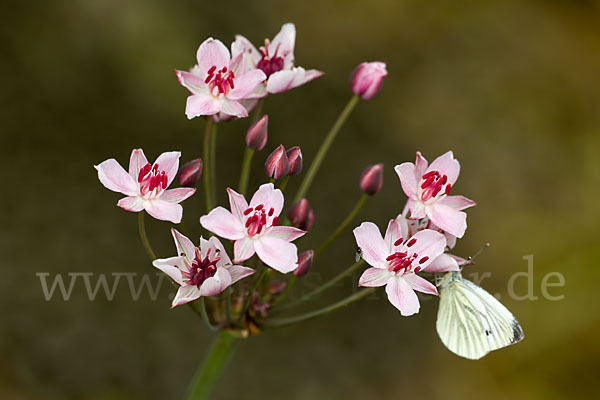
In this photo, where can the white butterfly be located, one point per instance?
(470, 321)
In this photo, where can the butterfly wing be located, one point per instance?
(471, 322)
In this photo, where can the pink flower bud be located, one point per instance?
(367, 79)
(294, 155)
(371, 179)
(301, 215)
(305, 261)
(277, 165)
(256, 138)
(189, 173)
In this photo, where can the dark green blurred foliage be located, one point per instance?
(513, 87)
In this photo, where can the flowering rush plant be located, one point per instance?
(238, 275)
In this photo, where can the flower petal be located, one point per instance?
(420, 285)
(164, 211)
(216, 244)
(115, 178)
(443, 263)
(456, 202)
(177, 195)
(402, 296)
(171, 266)
(246, 83)
(216, 284)
(201, 104)
(212, 52)
(277, 253)
(136, 162)
(446, 165)
(131, 203)
(233, 107)
(269, 197)
(192, 82)
(243, 249)
(242, 44)
(374, 277)
(283, 43)
(183, 244)
(237, 203)
(288, 79)
(427, 244)
(238, 272)
(185, 294)
(448, 219)
(408, 180)
(287, 233)
(169, 162)
(223, 223)
(374, 249)
(393, 233)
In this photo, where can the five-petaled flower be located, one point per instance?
(214, 85)
(396, 260)
(145, 185)
(204, 271)
(428, 189)
(254, 228)
(276, 59)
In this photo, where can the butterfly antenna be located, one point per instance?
(470, 259)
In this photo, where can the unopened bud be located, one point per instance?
(256, 138)
(189, 173)
(305, 261)
(367, 79)
(277, 165)
(371, 179)
(301, 215)
(294, 155)
(309, 221)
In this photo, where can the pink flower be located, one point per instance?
(254, 228)
(204, 271)
(145, 185)
(276, 59)
(428, 190)
(367, 79)
(396, 260)
(214, 85)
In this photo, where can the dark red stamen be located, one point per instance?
(424, 259)
(398, 242)
(411, 242)
(248, 211)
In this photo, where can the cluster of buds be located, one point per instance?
(281, 162)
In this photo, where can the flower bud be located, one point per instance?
(367, 79)
(305, 261)
(189, 173)
(301, 215)
(371, 179)
(277, 165)
(294, 155)
(256, 138)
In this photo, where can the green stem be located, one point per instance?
(212, 368)
(144, 237)
(280, 322)
(228, 305)
(205, 316)
(314, 167)
(213, 164)
(207, 163)
(255, 284)
(243, 186)
(284, 183)
(344, 224)
(325, 286)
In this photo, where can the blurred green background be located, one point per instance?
(512, 87)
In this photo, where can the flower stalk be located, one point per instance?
(314, 167)
(144, 237)
(208, 164)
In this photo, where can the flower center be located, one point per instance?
(432, 184)
(257, 219)
(152, 181)
(269, 65)
(401, 262)
(201, 268)
(219, 82)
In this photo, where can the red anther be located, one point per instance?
(398, 242)
(259, 207)
(230, 80)
(249, 221)
(430, 174)
(275, 220)
(165, 180)
(259, 229)
(212, 69)
(224, 69)
(444, 179)
(427, 182)
(448, 187)
(208, 78)
(145, 169)
(391, 257)
(417, 270)
(263, 219)
(436, 191)
(155, 168)
(248, 211)
(424, 259)
(411, 242)
(271, 211)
